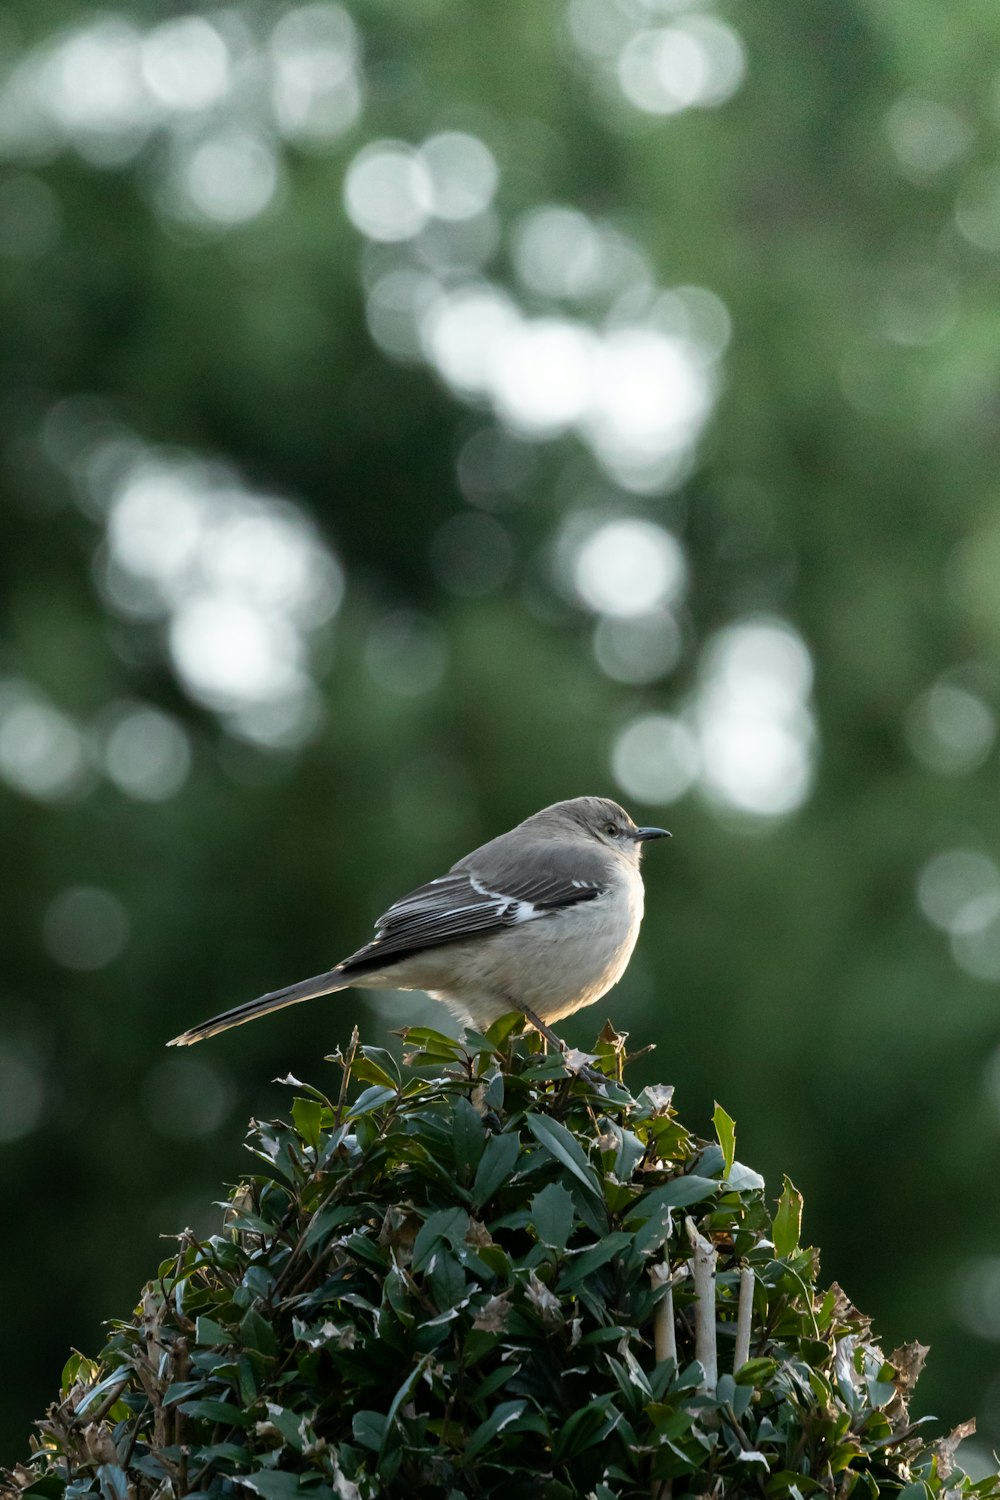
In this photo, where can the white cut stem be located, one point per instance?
(664, 1332)
(703, 1272)
(744, 1315)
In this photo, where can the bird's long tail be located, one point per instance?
(306, 989)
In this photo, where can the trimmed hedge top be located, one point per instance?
(476, 1278)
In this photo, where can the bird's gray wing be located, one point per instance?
(475, 901)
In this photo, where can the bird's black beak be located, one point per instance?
(642, 834)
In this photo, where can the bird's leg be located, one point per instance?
(592, 1075)
(545, 1032)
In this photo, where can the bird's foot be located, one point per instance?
(580, 1064)
(576, 1063)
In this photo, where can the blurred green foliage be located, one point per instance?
(293, 616)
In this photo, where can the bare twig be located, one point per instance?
(345, 1079)
(664, 1331)
(744, 1314)
(703, 1272)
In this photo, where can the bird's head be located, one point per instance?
(603, 820)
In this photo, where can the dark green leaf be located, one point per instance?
(274, 1485)
(369, 1428)
(256, 1333)
(501, 1417)
(680, 1193)
(370, 1100)
(495, 1166)
(469, 1138)
(587, 1261)
(553, 1212)
(448, 1224)
(554, 1138)
(208, 1332)
(217, 1411)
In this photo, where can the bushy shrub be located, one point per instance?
(476, 1278)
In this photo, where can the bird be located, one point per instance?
(541, 920)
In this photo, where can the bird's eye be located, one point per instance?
(611, 828)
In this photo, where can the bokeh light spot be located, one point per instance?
(976, 1296)
(978, 952)
(629, 567)
(637, 648)
(543, 375)
(655, 759)
(977, 209)
(85, 928)
(243, 581)
(950, 729)
(185, 63)
(22, 1094)
(316, 86)
(146, 752)
(926, 137)
(754, 722)
(698, 61)
(41, 750)
(462, 172)
(557, 252)
(463, 333)
(494, 469)
(959, 890)
(229, 653)
(388, 192)
(186, 1099)
(227, 177)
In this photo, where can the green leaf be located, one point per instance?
(756, 1371)
(559, 1143)
(446, 1280)
(371, 1099)
(113, 1481)
(681, 1192)
(503, 1026)
(725, 1130)
(208, 1332)
(449, 1224)
(495, 1166)
(48, 1487)
(469, 1137)
(583, 1428)
(376, 1065)
(257, 1333)
(217, 1411)
(369, 1428)
(431, 1045)
(786, 1226)
(272, 1484)
(308, 1117)
(741, 1179)
(590, 1260)
(501, 1417)
(553, 1213)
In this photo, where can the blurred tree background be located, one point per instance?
(416, 411)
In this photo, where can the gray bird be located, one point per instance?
(541, 920)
